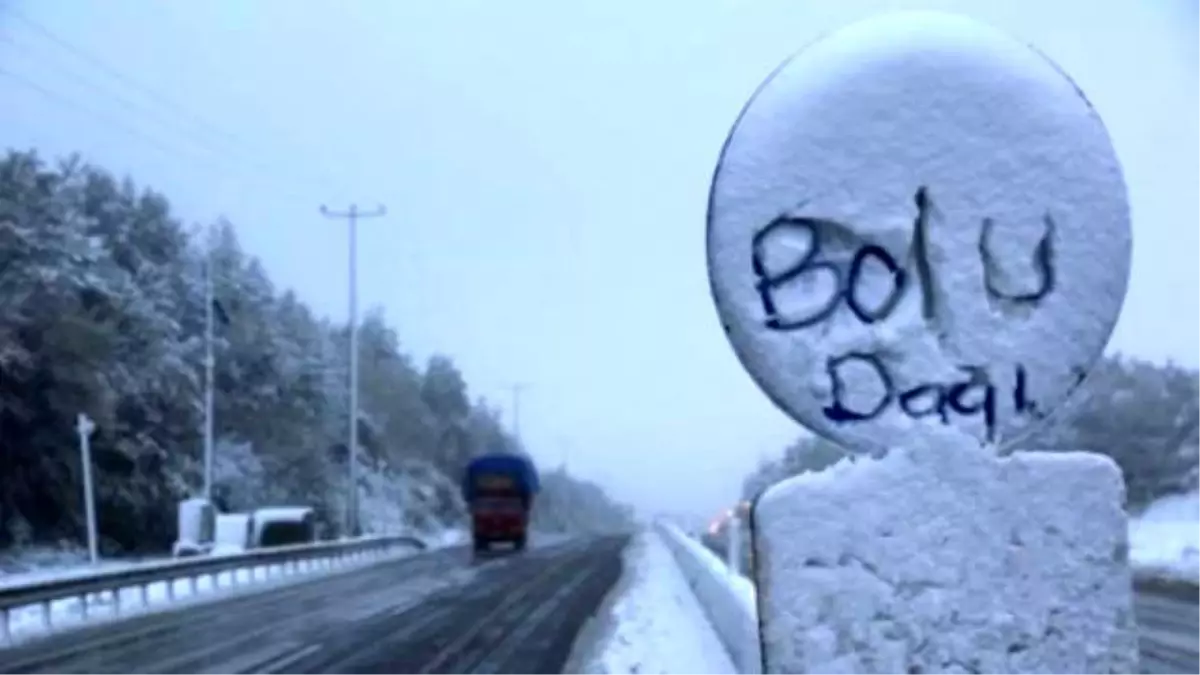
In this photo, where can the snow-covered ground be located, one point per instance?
(1165, 538)
(651, 623)
(447, 538)
(32, 620)
(414, 499)
(33, 565)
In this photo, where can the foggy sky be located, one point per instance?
(546, 168)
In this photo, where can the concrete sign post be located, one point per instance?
(918, 245)
(84, 427)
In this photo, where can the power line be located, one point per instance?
(232, 141)
(217, 163)
(90, 112)
(117, 75)
(125, 103)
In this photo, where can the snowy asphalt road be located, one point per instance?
(1169, 633)
(434, 613)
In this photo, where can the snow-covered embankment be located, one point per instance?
(1164, 540)
(651, 622)
(727, 597)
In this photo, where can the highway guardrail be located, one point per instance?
(1153, 582)
(729, 601)
(87, 587)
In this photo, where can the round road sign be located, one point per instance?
(915, 221)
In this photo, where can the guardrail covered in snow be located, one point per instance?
(295, 559)
(1168, 583)
(727, 597)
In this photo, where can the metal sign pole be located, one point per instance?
(85, 427)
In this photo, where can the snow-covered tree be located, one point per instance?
(104, 313)
(1142, 415)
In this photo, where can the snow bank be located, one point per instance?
(653, 622)
(728, 598)
(69, 566)
(1164, 540)
(948, 559)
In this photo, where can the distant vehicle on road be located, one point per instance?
(499, 490)
(203, 529)
(283, 526)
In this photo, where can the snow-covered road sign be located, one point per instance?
(918, 220)
(919, 242)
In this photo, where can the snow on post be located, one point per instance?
(234, 533)
(197, 524)
(918, 245)
(84, 427)
(733, 548)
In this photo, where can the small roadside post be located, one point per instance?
(734, 548)
(918, 243)
(84, 427)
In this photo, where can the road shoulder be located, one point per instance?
(650, 622)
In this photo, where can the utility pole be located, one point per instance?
(567, 447)
(516, 409)
(352, 215)
(209, 365)
(84, 427)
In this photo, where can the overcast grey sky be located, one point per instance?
(546, 166)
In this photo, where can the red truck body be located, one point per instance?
(499, 519)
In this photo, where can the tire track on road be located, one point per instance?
(416, 629)
(1168, 632)
(510, 614)
(555, 615)
(474, 642)
(480, 628)
(302, 641)
(544, 642)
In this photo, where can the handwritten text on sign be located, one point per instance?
(974, 394)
